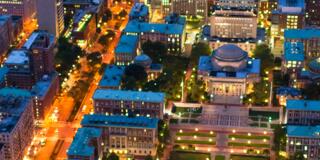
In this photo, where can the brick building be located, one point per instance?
(121, 102)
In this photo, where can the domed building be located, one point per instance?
(228, 71)
(310, 74)
(153, 70)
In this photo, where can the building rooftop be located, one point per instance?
(139, 27)
(101, 120)
(80, 145)
(39, 39)
(18, 57)
(230, 53)
(127, 44)
(205, 65)
(307, 105)
(139, 10)
(293, 51)
(13, 103)
(125, 95)
(42, 86)
(175, 18)
(288, 91)
(314, 65)
(291, 3)
(4, 19)
(89, 2)
(112, 76)
(302, 33)
(3, 72)
(303, 131)
(81, 19)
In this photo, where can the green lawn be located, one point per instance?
(240, 136)
(180, 155)
(267, 114)
(245, 157)
(195, 142)
(236, 144)
(199, 134)
(219, 157)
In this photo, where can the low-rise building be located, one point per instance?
(228, 72)
(153, 69)
(72, 6)
(303, 112)
(84, 28)
(112, 77)
(132, 136)
(172, 35)
(126, 49)
(123, 102)
(305, 139)
(190, 8)
(44, 92)
(87, 144)
(309, 74)
(175, 18)
(16, 122)
(293, 57)
(285, 93)
(139, 12)
(309, 37)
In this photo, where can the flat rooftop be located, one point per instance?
(138, 27)
(18, 57)
(302, 33)
(80, 144)
(288, 91)
(304, 105)
(101, 120)
(126, 95)
(303, 131)
(253, 67)
(40, 39)
(13, 103)
(4, 19)
(293, 51)
(127, 44)
(112, 76)
(42, 86)
(139, 10)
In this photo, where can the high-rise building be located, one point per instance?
(32, 62)
(190, 7)
(50, 16)
(312, 12)
(16, 122)
(24, 8)
(233, 24)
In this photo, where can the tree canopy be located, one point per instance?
(199, 49)
(113, 156)
(155, 50)
(134, 76)
(94, 58)
(263, 52)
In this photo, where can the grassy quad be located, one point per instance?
(246, 157)
(181, 155)
(236, 144)
(219, 157)
(240, 136)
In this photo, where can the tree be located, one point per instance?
(123, 13)
(199, 49)
(107, 15)
(113, 156)
(297, 156)
(148, 157)
(312, 91)
(279, 140)
(136, 71)
(263, 52)
(155, 50)
(94, 58)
